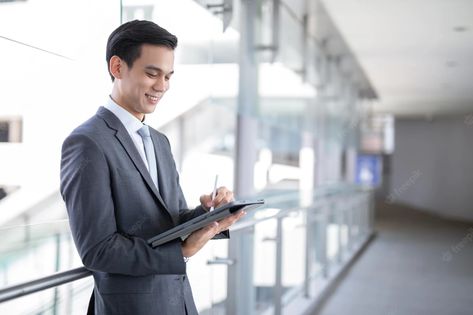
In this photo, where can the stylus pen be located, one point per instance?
(214, 192)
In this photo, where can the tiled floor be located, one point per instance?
(418, 265)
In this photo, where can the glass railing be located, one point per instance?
(36, 250)
(277, 255)
(287, 250)
(71, 298)
(32, 251)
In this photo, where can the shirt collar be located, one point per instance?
(131, 123)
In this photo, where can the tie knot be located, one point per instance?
(144, 131)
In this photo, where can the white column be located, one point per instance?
(240, 289)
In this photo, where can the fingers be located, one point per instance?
(206, 201)
(206, 233)
(223, 196)
(230, 220)
(199, 238)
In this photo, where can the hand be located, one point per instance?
(196, 240)
(222, 197)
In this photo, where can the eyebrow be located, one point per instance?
(158, 69)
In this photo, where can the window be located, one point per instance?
(10, 129)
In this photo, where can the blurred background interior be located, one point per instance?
(352, 118)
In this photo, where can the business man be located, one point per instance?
(121, 187)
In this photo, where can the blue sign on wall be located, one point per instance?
(368, 170)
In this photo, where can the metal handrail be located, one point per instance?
(59, 278)
(244, 224)
(54, 280)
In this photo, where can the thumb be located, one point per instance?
(206, 201)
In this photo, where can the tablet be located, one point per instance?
(203, 220)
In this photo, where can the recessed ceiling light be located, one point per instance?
(460, 29)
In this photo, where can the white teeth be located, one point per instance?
(153, 98)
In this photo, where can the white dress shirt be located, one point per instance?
(132, 125)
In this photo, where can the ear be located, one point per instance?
(116, 67)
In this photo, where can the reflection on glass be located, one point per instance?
(34, 251)
(208, 278)
(264, 264)
(71, 298)
(294, 245)
(332, 241)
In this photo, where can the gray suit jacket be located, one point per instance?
(114, 208)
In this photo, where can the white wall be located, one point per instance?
(433, 165)
(50, 93)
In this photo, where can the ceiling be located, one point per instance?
(418, 54)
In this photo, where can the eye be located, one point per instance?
(151, 75)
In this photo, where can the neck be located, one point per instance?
(116, 98)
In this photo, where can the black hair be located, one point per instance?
(126, 41)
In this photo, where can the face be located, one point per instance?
(138, 89)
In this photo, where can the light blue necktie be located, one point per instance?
(150, 156)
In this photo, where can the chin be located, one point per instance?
(149, 110)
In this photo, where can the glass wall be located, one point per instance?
(54, 76)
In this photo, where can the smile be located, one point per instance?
(152, 98)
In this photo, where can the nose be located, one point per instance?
(160, 85)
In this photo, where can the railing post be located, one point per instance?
(321, 239)
(278, 287)
(310, 239)
(240, 289)
(57, 264)
(350, 221)
(338, 213)
(367, 213)
(361, 216)
(371, 211)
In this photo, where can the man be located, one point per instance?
(121, 187)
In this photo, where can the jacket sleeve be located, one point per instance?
(86, 190)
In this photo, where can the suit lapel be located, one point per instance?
(166, 170)
(163, 172)
(125, 140)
